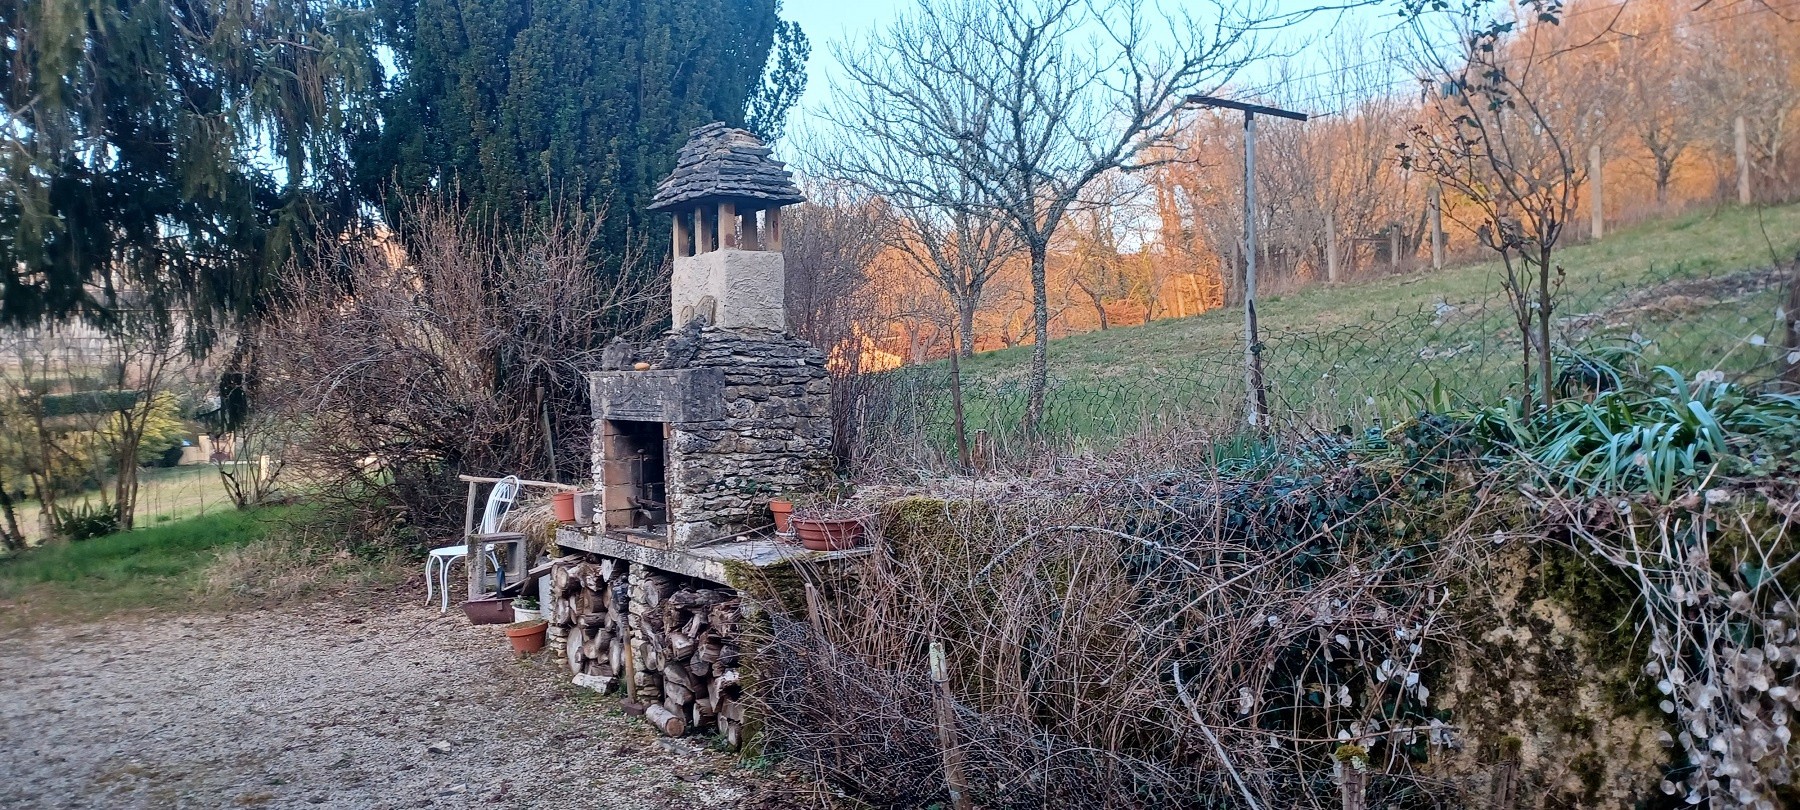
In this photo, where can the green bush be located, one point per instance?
(85, 521)
(1659, 435)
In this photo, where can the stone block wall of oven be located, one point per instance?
(749, 412)
(774, 436)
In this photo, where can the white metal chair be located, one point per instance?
(499, 500)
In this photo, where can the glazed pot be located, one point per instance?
(783, 511)
(527, 637)
(563, 504)
(488, 610)
(834, 534)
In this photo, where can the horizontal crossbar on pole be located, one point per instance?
(1253, 109)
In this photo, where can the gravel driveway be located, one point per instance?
(319, 706)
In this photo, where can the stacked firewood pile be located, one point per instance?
(589, 609)
(676, 639)
(684, 648)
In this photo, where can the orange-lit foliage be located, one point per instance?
(1656, 84)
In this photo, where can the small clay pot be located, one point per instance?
(527, 637)
(563, 504)
(783, 512)
(828, 535)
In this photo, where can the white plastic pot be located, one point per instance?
(520, 615)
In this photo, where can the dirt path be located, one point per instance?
(319, 707)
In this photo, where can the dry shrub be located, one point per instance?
(455, 347)
(285, 567)
(1192, 623)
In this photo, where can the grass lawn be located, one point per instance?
(1697, 289)
(164, 494)
(147, 568)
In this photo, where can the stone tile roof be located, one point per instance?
(722, 163)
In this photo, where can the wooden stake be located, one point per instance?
(1790, 318)
(815, 612)
(1394, 248)
(1331, 249)
(1506, 777)
(1437, 226)
(1740, 137)
(475, 562)
(952, 753)
(1355, 789)
(1598, 206)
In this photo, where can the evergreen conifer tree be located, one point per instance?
(509, 107)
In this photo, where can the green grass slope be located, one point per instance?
(143, 568)
(1698, 292)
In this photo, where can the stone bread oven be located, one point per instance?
(695, 433)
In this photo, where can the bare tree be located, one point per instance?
(1656, 64)
(1028, 102)
(147, 349)
(1748, 72)
(830, 242)
(1493, 135)
(960, 249)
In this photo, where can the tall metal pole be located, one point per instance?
(1253, 376)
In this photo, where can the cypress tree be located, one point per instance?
(510, 106)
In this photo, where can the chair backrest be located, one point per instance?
(499, 500)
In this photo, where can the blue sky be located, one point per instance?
(829, 21)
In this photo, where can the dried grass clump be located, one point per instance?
(288, 567)
(1192, 626)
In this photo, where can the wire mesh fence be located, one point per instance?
(164, 494)
(1377, 366)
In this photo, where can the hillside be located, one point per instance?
(1697, 292)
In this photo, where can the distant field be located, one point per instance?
(164, 494)
(1699, 292)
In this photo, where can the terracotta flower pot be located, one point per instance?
(828, 535)
(527, 637)
(783, 512)
(563, 504)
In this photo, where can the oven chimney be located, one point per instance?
(726, 194)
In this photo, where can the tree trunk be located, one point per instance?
(125, 482)
(1038, 379)
(956, 402)
(965, 323)
(1790, 342)
(1099, 307)
(1546, 363)
(11, 537)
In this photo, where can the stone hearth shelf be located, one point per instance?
(710, 562)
